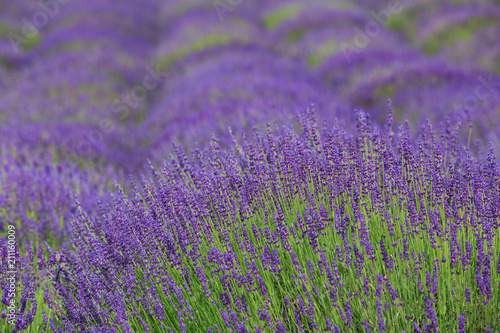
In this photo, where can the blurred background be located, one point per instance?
(116, 82)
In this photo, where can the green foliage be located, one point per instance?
(203, 43)
(281, 14)
(451, 35)
(324, 51)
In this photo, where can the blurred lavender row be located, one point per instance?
(113, 81)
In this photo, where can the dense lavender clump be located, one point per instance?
(477, 49)
(295, 232)
(461, 31)
(76, 76)
(11, 33)
(470, 95)
(37, 193)
(90, 55)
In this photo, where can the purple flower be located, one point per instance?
(366, 286)
(348, 321)
(431, 315)
(461, 322)
(366, 325)
(280, 328)
(389, 261)
(394, 293)
(380, 317)
(329, 326)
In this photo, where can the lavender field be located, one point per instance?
(249, 166)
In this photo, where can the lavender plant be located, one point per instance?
(476, 49)
(459, 23)
(289, 232)
(443, 91)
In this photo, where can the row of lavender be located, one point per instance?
(285, 232)
(242, 64)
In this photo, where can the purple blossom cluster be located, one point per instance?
(286, 230)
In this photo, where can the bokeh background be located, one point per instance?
(117, 82)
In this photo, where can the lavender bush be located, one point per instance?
(292, 232)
